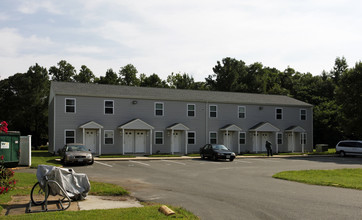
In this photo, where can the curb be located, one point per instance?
(198, 158)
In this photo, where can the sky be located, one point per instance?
(178, 36)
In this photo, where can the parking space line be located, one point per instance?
(146, 164)
(242, 161)
(103, 164)
(171, 161)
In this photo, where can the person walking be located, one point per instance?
(269, 149)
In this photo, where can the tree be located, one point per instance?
(64, 72)
(128, 75)
(85, 75)
(179, 81)
(350, 99)
(24, 101)
(226, 75)
(152, 81)
(110, 78)
(340, 66)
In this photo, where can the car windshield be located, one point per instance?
(219, 147)
(76, 148)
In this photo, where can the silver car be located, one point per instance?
(76, 153)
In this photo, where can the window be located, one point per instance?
(303, 138)
(191, 110)
(159, 137)
(69, 105)
(303, 114)
(241, 112)
(159, 109)
(108, 137)
(242, 138)
(213, 111)
(279, 113)
(69, 136)
(108, 107)
(191, 137)
(280, 138)
(213, 137)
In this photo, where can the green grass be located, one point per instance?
(43, 157)
(346, 178)
(116, 156)
(193, 155)
(163, 155)
(148, 212)
(25, 182)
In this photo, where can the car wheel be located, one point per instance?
(214, 157)
(342, 154)
(203, 156)
(92, 162)
(231, 159)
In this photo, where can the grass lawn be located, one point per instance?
(346, 178)
(163, 155)
(43, 157)
(25, 182)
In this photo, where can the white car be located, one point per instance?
(351, 147)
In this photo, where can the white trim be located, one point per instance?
(65, 135)
(277, 114)
(104, 105)
(163, 137)
(104, 137)
(215, 111)
(163, 109)
(244, 107)
(65, 105)
(187, 110)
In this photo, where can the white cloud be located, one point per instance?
(32, 7)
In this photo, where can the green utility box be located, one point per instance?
(10, 147)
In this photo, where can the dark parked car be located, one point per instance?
(76, 153)
(216, 151)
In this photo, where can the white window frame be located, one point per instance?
(303, 138)
(212, 132)
(105, 137)
(162, 138)
(212, 111)
(106, 107)
(187, 110)
(305, 114)
(65, 135)
(163, 109)
(276, 114)
(241, 107)
(243, 138)
(281, 138)
(194, 138)
(75, 105)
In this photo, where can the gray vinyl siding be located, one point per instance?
(91, 108)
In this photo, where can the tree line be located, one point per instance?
(335, 94)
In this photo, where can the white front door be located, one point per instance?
(290, 142)
(91, 140)
(176, 141)
(264, 138)
(129, 142)
(140, 141)
(228, 139)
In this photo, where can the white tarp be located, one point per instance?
(76, 185)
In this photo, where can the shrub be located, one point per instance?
(6, 175)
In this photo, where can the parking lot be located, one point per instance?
(242, 189)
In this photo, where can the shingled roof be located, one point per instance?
(164, 94)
